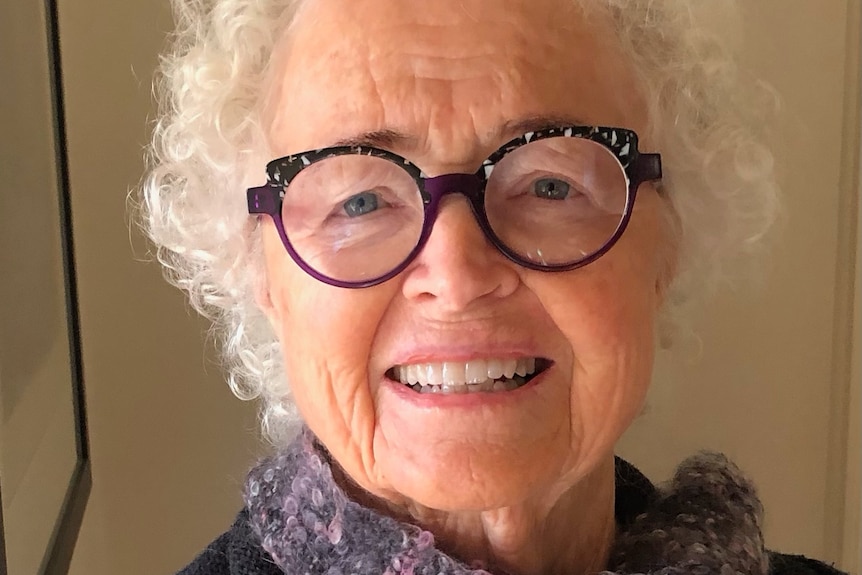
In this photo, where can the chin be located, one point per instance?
(475, 474)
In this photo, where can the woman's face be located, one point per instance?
(452, 79)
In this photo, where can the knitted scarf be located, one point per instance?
(705, 521)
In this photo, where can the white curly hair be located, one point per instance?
(722, 194)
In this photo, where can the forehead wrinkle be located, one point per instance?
(451, 97)
(431, 58)
(452, 137)
(428, 109)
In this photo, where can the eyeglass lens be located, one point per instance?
(554, 201)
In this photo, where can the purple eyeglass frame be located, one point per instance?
(623, 143)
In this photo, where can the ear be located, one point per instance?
(268, 305)
(667, 252)
(667, 265)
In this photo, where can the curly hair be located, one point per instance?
(722, 197)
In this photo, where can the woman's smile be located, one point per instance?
(476, 375)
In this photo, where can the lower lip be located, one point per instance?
(462, 400)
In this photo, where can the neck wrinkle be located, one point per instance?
(571, 536)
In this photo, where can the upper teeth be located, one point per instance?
(464, 372)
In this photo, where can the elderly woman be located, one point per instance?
(446, 290)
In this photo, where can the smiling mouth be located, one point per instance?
(474, 376)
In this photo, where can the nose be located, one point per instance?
(458, 266)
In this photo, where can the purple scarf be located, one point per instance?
(707, 520)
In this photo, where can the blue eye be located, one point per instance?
(551, 189)
(360, 204)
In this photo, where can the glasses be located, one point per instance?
(552, 200)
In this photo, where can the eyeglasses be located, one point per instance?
(551, 200)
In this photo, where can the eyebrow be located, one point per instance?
(386, 139)
(517, 128)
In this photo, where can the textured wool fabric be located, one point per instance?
(657, 532)
(706, 520)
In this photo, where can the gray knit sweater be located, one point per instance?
(297, 520)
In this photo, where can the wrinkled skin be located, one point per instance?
(525, 481)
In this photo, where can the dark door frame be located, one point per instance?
(58, 555)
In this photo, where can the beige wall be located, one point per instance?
(170, 445)
(769, 381)
(848, 357)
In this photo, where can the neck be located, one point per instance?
(569, 534)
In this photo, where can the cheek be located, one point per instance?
(605, 312)
(326, 335)
(608, 307)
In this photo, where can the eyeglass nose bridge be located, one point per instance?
(438, 187)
